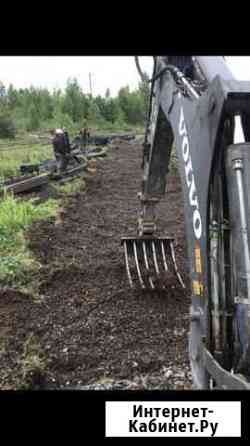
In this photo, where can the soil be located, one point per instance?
(88, 329)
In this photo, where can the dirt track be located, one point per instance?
(89, 328)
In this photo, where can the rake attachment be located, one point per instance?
(150, 262)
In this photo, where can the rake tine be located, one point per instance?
(127, 264)
(164, 257)
(137, 265)
(155, 258)
(146, 263)
(175, 266)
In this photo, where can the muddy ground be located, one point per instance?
(88, 329)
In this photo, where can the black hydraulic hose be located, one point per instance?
(144, 79)
(165, 67)
(161, 72)
(137, 63)
(177, 74)
(169, 67)
(152, 88)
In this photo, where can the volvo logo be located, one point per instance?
(193, 198)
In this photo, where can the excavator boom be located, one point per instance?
(195, 110)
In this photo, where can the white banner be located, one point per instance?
(173, 419)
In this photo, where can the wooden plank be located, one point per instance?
(40, 180)
(97, 153)
(69, 173)
(26, 185)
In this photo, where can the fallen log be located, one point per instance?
(96, 152)
(33, 182)
(69, 173)
(26, 185)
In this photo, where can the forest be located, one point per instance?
(32, 109)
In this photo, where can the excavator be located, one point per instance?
(202, 114)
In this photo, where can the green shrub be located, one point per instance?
(34, 119)
(7, 127)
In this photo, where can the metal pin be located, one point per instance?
(127, 264)
(175, 266)
(137, 265)
(155, 258)
(164, 257)
(146, 263)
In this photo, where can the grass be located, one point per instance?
(71, 187)
(16, 216)
(32, 363)
(17, 263)
(13, 156)
(24, 149)
(109, 128)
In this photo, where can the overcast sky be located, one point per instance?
(111, 72)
